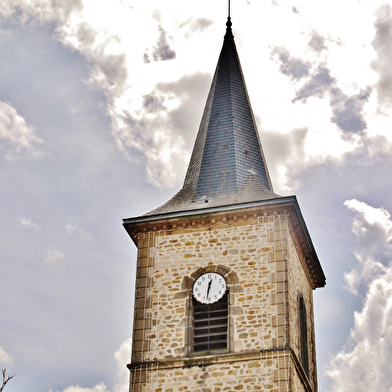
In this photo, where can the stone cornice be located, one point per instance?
(207, 360)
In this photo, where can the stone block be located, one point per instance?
(145, 262)
(142, 243)
(144, 282)
(222, 269)
(141, 323)
(141, 292)
(142, 272)
(181, 295)
(143, 303)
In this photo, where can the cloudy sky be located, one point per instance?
(100, 102)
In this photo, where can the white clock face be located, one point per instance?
(209, 288)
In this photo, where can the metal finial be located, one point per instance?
(228, 23)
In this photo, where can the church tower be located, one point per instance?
(226, 268)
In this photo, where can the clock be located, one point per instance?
(209, 288)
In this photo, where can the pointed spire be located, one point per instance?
(227, 165)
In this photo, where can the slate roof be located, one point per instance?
(227, 165)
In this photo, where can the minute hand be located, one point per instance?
(209, 287)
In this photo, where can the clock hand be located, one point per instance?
(209, 287)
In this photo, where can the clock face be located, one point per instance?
(209, 288)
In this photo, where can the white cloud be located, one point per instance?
(29, 224)
(98, 388)
(5, 10)
(121, 382)
(17, 138)
(5, 359)
(373, 227)
(73, 228)
(53, 255)
(123, 356)
(43, 10)
(382, 44)
(364, 364)
(115, 57)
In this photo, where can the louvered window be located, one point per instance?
(210, 325)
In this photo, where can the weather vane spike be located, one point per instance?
(228, 23)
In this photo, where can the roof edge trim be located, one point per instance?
(231, 207)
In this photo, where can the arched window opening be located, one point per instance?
(303, 325)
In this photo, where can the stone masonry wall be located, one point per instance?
(252, 256)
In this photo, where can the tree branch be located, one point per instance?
(5, 378)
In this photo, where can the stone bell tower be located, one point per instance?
(226, 268)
